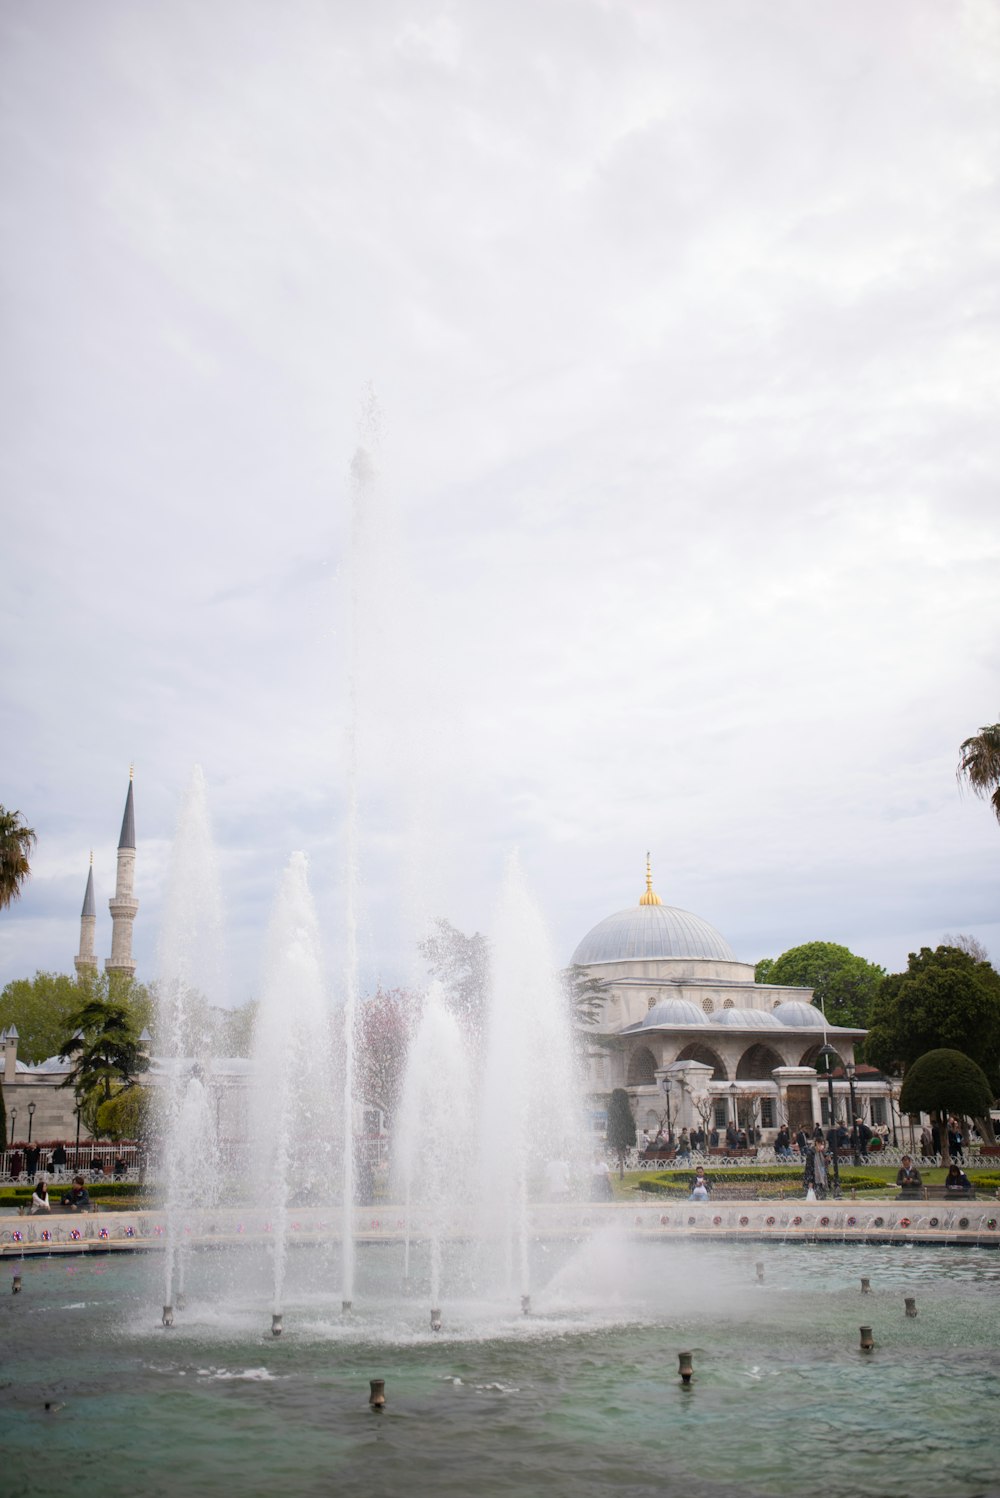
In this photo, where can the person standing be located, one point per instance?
(815, 1176)
(57, 1160)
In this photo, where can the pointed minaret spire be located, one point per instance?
(124, 905)
(85, 961)
(650, 897)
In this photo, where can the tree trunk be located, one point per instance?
(942, 1124)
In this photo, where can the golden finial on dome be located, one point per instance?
(650, 897)
(131, 771)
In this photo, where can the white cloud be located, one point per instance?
(683, 332)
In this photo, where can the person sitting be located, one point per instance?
(783, 1144)
(96, 1169)
(700, 1187)
(77, 1198)
(40, 1201)
(957, 1180)
(121, 1169)
(908, 1177)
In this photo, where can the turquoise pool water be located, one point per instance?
(580, 1398)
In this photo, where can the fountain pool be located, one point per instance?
(582, 1397)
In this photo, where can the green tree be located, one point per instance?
(16, 842)
(945, 999)
(943, 1082)
(461, 964)
(979, 765)
(105, 1050)
(129, 1114)
(234, 1029)
(39, 1008)
(621, 1126)
(844, 984)
(585, 997)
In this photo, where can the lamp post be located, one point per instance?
(666, 1084)
(736, 1116)
(31, 1115)
(13, 1126)
(829, 1053)
(76, 1110)
(855, 1140)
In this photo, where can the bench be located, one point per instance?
(936, 1194)
(737, 1154)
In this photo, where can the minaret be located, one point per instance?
(650, 897)
(85, 961)
(124, 905)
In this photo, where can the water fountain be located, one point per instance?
(543, 1365)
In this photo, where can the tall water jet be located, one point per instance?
(190, 969)
(530, 1076)
(431, 1160)
(293, 1111)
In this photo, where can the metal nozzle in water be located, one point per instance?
(15, 1287)
(346, 1306)
(867, 1340)
(760, 1274)
(168, 1316)
(685, 1367)
(376, 1397)
(435, 1319)
(276, 1324)
(866, 1286)
(526, 1305)
(181, 1301)
(911, 1305)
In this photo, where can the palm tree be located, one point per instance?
(979, 765)
(16, 842)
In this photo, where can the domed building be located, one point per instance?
(683, 1023)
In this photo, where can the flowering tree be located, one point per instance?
(386, 1022)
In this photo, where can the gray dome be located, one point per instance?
(646, 932)
(800, 1016)
(747, 1019)
(674, 1012)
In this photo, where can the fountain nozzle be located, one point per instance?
(435, 1319)
(911, 1305)
(866, 1286)
(376, 1398)
(181, 1301)
(526, 1305)
(867, 1340)
(15, 1287)
(276, 1324)
(685, 1367)
(168, 1316)
(760, 1274)
(346, 1306)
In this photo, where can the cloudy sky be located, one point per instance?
(670, 334)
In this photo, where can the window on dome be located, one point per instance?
(729, 1004)
(707, 1005)
(650, 1002)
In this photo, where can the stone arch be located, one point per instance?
(758, 1062)
(699, 1051)
(641, 1068)
(811, 1057)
